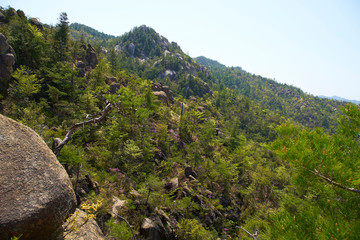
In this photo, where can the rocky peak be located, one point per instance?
(35, 22)
(144, 42)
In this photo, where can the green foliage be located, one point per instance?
(16, 237)
(71, 156)
(321, 210)
(119, 231)
(25, 85)
(61, 36)
(191, 229)
(27, 41)
(90, 31)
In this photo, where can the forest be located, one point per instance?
(203, 150)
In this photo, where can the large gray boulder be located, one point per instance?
(36, 194)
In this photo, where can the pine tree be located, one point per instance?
(62, 35)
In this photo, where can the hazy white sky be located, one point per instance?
(311, 44)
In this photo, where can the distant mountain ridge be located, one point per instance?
(89, 32)
(340, 99)
(209, 62)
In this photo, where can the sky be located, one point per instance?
(310, 44)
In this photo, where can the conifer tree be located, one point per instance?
(62, 34)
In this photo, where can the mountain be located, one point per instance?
(340, 99)
(144, 42)
(288, 101)
(159, 144)
(209, 62)
(90, 33)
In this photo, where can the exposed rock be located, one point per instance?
(172, 184)
(86, 185)
(131, 49)
(152, 230)
(36, 23)
(7, 60)
(87, 229)
(178, 56)
(20, 13)
(36, 194)
(157, 227)
(201, 108)
(81, 66)
(114, 87)
(169, 93)
(162, 96)
(11, 12)
(104, 51)
(91, 57)
(170, 74)
(219, 132)
(135, 194)
(192, 98)
(163, 93)
(189, 172)
(110, 80)
(55, 143)
(2, 17)
(117, 205)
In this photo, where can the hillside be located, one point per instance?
(91, 33)
(288, 101)
(163, 146)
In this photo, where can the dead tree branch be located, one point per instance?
(132, 231)
(254, 236)
(77, 125)
(318, 174)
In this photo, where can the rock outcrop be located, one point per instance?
(117, 206)
(86, 185)
(7, 60)
(163, 93)
(91, 57)
(36, 194)
(2, 17)
(35, 22)
(81, 67)
(83, 228)
(157, 227)
(190, 173)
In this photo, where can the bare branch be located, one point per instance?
(117, 215)
(317, 173)
(74, 127)
(254, 236)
